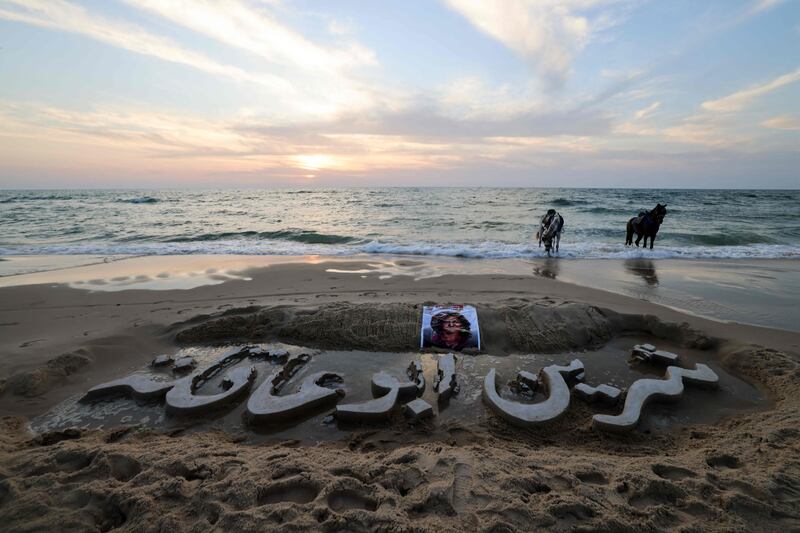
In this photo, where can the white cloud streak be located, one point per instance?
(244, 26)
(304, 79)
(647, 111)
(323, 72)
(764, 5)
(740, 100)
(65, 16)
(783, 122)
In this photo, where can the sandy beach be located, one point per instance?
(436, 266)
(714, 460)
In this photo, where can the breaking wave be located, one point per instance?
(721, 239)
(563, 202)
(296, 235)
(140, 200)
(485, 250)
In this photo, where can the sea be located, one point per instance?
(492, 223)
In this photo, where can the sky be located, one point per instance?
(294, 93)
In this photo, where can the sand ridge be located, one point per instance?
(542, 326)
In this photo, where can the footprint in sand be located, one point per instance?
(122, 467)
(672, 472)
(723, 461)
(292, 490)
(72, 460)
(658, 492)
(462, 485)
(592, 477)
(569, 513)
(345, 500)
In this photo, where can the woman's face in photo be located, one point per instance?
(451, 324)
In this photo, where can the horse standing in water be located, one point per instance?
(550, 230)
(646, 225)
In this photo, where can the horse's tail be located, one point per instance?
(629, 236)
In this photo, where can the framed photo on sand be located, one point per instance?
(452, 327)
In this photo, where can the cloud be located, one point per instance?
(635, 126)
(426, 120)
(304, 78)
(151, 142)
(647, 111)
(764, 5)
(783, 122)
(549, 33)
(323, 74)
(64, 16)
(244, 26)
(144, 131)
(741, 99)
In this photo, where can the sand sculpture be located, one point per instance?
(531, 415)
(601, 393)
(265, 406)
(389, 391)
(525, 383)
(145, 388)
(648, 353)
(161, 360)
(445, 383)
(645, 390)
(372, 410)
(184, 364)
(418, 409)
(273, 354)
(383, 382)
(138, 386)
(182, 400)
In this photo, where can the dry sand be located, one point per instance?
(56, 340)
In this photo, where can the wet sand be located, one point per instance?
(723, 460)
(760, 292)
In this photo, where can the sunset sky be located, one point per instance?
(255, 93)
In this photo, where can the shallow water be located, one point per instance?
(607, 365)
(481, 222)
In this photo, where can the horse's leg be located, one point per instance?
(652, 240)
(629, 234)
(638, 238)
(558, 240)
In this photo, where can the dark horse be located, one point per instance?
(550, 229)
(646, 225)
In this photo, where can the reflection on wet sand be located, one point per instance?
(549, 268)
(644, 268)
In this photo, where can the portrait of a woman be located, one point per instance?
(450, 331)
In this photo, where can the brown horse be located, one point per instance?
(646, 225)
